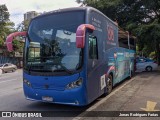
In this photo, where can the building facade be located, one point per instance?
(29, 15)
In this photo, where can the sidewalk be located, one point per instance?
(135, 96)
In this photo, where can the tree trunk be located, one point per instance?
(158, 52)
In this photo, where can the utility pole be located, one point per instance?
(128, 39)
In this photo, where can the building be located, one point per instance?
(29, 15)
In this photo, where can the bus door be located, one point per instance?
(92, 68)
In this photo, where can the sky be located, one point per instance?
(17, 8)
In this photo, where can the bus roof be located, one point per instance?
(76, 9)
(61, 10)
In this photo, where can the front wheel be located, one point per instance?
(14, 70)
(109, 85)
(148, 68)
(1, 72)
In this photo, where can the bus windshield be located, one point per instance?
(51, 43)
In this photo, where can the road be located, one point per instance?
(131, 95)
(12, 98)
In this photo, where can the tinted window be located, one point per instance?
(5, 65)
(52, 44)
(93, 51)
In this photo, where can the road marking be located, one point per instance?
(150, 106)
(9, 80)
(103, 100)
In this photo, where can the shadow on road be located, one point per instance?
(58, 110)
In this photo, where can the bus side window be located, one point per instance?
(93, 50)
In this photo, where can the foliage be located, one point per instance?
(23, 26)
(6, 26)
(17, 45)
(4, 14)
(140, 17)
(152, 55)
(1, 42)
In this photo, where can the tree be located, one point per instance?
(6, 26)
(4, 14)
(4, 17)
(18, 44)
(140, 17)
(23, 26)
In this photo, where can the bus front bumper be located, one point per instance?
(76, 96)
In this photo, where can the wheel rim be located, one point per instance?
(149, 68)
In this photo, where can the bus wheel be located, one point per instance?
(109, 85)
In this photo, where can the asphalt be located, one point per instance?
(12, 99)
(130, 95)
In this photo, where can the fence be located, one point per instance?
(12, 60)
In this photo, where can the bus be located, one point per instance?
(73, 56)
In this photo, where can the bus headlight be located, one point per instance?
(75, 84)
(27, 82)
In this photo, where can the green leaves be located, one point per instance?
(1, 42)
(140, 17)
(6, 26)
(4, 14)
(18, 45)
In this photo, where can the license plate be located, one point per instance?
(46, 98)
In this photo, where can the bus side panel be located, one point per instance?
(123, 61)
(97, 73)
(111, 58)
(95, 67)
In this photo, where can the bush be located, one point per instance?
(152, 55)
(1, 42)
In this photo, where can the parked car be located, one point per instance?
(0, 72)
(7, 67)
(145, 64)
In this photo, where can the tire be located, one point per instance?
(149, 68)
(1, 72)
(13, 70)
(109, 85)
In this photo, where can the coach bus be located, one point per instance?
(73, 56)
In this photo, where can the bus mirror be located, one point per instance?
(11, 37)
(80, 34)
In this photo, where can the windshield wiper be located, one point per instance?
(67, 70)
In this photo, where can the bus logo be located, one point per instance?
(6, 114)
(110, 33)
